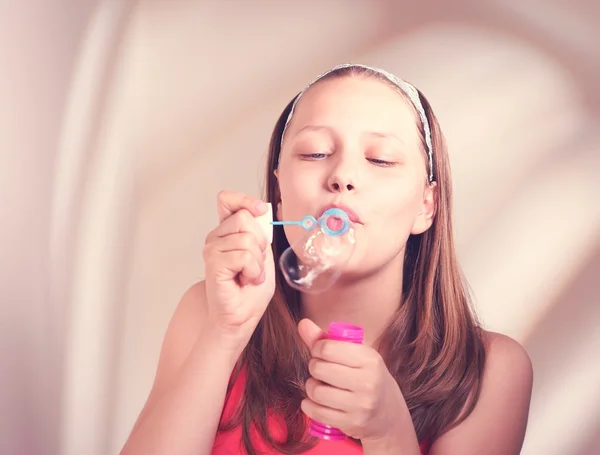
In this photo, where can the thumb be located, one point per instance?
(310, 332)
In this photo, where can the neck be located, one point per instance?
(369, 302)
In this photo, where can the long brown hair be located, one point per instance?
(433, 346)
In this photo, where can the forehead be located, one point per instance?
(355, 104)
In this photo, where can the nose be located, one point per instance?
(342, 178)
(340, 187)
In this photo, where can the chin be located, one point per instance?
(357, 269)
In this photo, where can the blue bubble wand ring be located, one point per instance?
(310, 222)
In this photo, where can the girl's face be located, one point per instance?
(353, 142)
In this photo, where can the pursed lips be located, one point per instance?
(352, 215)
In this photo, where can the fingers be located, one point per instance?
(233, 249)
(236, 248)
(323, 414)
(244, 241)
(334, 374)
(230, 264)
(240, 245)
(310, 332)
(241, 222)
(230, 202)
(344, 353)
(328, 396)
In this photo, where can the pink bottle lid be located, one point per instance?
(345, 332)
(342, 332)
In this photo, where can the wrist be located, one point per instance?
(222, 345)
(391, 445)
(399, 435)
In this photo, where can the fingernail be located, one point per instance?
(261, 206)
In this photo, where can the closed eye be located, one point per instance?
(314, 156)
(381, 163)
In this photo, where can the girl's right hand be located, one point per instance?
(240, 271)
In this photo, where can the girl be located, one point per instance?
(245, 363)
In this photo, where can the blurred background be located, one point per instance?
(120, 121)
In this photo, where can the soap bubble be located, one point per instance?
(314, 262)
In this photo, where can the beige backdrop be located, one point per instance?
(121, 121)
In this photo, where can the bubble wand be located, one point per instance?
(310, 222)
(315, 261)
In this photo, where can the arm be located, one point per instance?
(182, 412)
(497, 424)
(403, 439)
(208, 332)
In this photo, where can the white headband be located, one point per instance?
(410, 91)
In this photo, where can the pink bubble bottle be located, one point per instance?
(342, 332)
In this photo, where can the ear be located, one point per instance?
(428, 209)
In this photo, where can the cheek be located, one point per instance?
(396, 204)
(297, 200)
(299, 191)
(393, 216)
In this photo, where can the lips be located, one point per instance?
(351, 215)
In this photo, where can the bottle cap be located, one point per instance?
(345, 332)
(265, 223)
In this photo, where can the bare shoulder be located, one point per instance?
(498, 421)
(506, 357)
(507, 374)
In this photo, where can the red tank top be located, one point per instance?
(230, 442)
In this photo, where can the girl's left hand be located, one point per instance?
(351, 388)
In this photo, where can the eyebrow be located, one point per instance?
(379, 134)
